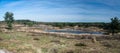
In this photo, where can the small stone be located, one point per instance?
(4, 51)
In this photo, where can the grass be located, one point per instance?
(21, 42)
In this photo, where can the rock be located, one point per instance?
(4, 51)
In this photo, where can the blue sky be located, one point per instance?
(62, 10)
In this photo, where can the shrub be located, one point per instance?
(56, 41)
(36, 39)
(80, 44)
(70, 51)
(9, 19)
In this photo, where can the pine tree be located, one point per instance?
(9, 19)
(114, 26)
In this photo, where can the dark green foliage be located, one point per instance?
(26, 22)
(36, 39)
(113, 26)
(30, 24)
(9, 19)
(80, 44)
(80, 24)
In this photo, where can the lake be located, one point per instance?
(74, 31)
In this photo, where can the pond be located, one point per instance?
(74, 31)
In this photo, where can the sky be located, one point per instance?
(62, 10)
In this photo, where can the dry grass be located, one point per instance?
(21, 42)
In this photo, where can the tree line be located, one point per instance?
(79, 24)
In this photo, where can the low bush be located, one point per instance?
(80, 44)
(36, 39)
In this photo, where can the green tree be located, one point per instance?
(114, 26)
(9, 19)
(30, 24)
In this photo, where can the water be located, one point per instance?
(74, 31)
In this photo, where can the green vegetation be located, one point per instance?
(113, 26)
(80, 44)
(9, 19)
(80, 24)
(26, 22)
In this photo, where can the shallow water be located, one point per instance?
(74, 31)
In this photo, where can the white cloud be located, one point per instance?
(13, 4)
(58, 10)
